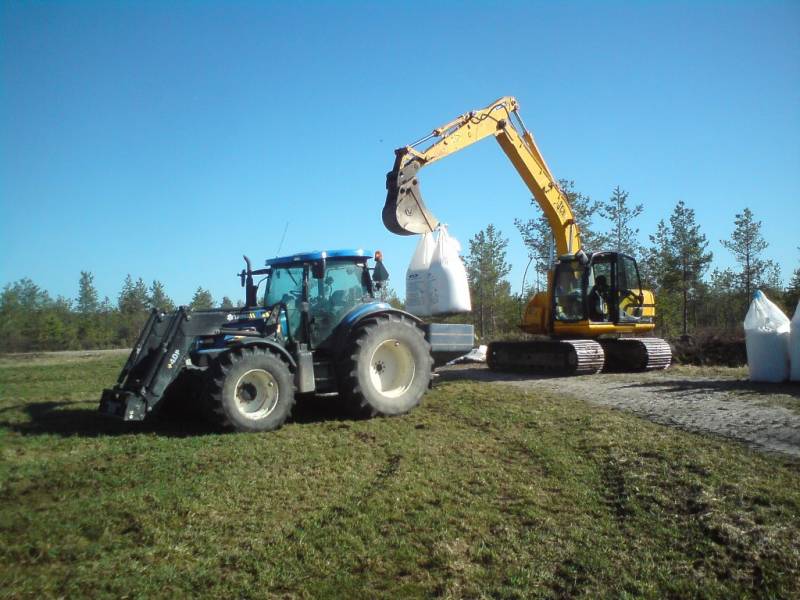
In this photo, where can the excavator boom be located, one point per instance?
(405, 212)
(591, 300)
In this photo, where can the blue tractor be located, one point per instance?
(320, 328)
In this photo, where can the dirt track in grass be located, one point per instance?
(719, 401)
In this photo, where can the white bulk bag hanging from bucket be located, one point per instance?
(448, 283)
(766, 334)
(417, 274)
(794, 345)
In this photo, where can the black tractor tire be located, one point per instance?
(386, 367)
(249, 389)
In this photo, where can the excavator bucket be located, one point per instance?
(404, 212)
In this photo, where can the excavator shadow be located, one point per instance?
(480, 372)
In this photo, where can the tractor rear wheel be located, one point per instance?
(387, 367)
(250, 389)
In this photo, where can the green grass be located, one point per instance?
(483, 491)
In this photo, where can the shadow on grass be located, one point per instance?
(480, 372)
(60, 418)
(738, 386)
(57, 418)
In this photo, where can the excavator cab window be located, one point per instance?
(599, 301)
(613, 290)
(568, 296)
(629, 290)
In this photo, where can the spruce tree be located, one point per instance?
(87, 294)
(202, 300)
(157, 297)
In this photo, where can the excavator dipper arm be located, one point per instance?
(405, 212)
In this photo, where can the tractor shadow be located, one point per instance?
(68, 418)
(80, 418)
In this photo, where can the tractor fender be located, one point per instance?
(366, 311)
(272, 347)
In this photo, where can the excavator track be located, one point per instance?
(636, 354)
(546, 357)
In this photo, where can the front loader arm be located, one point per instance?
(405, 213)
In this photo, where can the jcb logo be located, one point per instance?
(174, 358)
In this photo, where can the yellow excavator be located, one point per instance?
(594, 312)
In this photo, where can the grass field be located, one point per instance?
(484, 491)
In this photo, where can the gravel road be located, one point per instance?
(719, 401)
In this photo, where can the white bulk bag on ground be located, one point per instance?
(766, 334)
(417, 274)
(794, 345)
(448, 284)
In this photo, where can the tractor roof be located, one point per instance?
(309, 256)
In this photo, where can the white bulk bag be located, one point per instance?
(417, 274)
(794, 345)
(766, 334)
(448, 284)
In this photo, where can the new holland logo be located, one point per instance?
(174, 358)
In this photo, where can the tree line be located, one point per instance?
(31, 319)
(676, 264)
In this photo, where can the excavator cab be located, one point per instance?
(607, 289)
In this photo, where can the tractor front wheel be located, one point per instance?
(387, 367)
(250, 390)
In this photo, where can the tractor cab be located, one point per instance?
(317, 290)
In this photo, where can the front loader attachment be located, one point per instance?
(159, 355)
(404, 212)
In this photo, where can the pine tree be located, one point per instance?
(157, 297)
(623, 236)
(202, 300)
(747, 244)
(87, 294)
(226, 303)
(487, 268)
(538, 236)
(675, 265)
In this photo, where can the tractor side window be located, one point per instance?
(569, 292)
(629, 288)
(286, 285)
(330, 298)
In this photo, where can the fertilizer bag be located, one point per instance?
(448, 283)
(794, 345)
(417, 275)
(766, 334)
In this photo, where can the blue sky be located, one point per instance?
(165, 140)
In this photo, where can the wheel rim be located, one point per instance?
(391, 368)
(256, 393)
